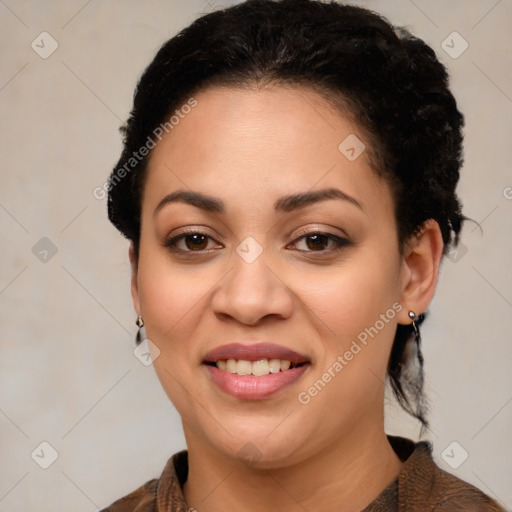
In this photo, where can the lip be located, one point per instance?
(254, 352)
(251, 387)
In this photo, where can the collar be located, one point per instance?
(417, 472)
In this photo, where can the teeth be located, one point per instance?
(257, 368)
(261, 367)
(243, 367)
(274, 365)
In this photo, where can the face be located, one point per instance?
(291, 259)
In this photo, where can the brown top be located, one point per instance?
(421, 486)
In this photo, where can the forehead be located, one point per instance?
(250, 145)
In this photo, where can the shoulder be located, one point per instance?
(164, 493)
(142, 499)
(453, 494)
(422, 485)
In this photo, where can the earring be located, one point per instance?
(414, 318)
(140, 324)
(417, 337)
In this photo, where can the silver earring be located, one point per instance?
(416, 330)
(140, 324)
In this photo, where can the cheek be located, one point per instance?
(167, 294)
(358, 308)
(172, 301)
(353, 299)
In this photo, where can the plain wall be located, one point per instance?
(67, 369)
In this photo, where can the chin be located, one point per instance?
(256, 448)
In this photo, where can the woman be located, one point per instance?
(288, 187)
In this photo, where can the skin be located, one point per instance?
(249, 148)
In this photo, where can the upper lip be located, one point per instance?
(254, 352)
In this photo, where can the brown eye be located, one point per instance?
(189, 242)
(319, 242)
(196, 242)
(315, 242)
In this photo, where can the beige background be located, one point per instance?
(68, 374)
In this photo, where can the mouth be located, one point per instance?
(257, 368)
(254, 372)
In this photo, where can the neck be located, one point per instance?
(351, 473)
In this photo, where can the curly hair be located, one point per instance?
(389, 81)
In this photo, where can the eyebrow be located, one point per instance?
(287, 203)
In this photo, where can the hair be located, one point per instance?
(389, 81)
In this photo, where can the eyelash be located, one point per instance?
(339, 241)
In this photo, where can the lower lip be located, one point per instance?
(250, 387)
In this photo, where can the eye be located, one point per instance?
(317, 241)
(198, 242)
(191, 241)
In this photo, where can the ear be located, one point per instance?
(134, 280)
(420, 269)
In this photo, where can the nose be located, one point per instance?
(251, 291)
